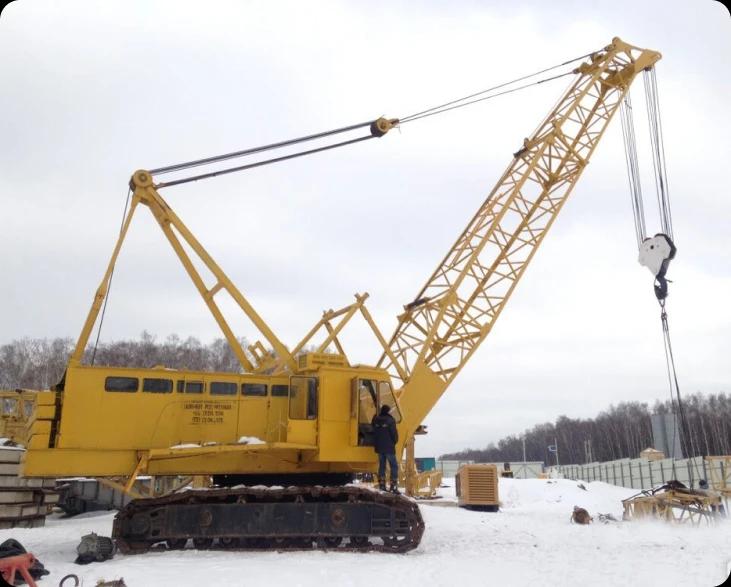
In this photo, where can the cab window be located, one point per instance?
(254, 389)
(386, 398)
(190, 386)
(303, 398)
(155, 385)
(125, 384)
(280, 390)
(10, 406)
(223, 388)
(367, 401)
(367, 405)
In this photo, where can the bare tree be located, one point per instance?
(38, 363)
(621, 431)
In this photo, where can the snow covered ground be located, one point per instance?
(529, 542)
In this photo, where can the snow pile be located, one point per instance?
(250, 440)
(554, 495)
(529, 542)
(562, 495)
(242, 440)
(8, 444)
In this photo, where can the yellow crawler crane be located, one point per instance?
(302, 421)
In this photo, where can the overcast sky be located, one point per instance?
(92, 91)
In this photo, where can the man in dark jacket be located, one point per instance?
(385, 437)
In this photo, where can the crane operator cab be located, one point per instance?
(368, 397)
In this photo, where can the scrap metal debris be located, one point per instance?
(94, 548)
(674, 502)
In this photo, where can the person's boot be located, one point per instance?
(382, 485)
(394, 489)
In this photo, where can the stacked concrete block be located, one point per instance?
(24, 503)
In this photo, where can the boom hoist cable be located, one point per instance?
(377, 128)
(109, 287)
(655, 252)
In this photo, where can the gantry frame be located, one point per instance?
(144, 192)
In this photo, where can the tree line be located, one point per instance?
(38, 363)
(622, 431)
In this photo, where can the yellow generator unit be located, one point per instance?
(477, 487)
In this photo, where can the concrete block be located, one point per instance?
(50, 497)
(35, 522)
(9, 468)
(11, 481)
(10, 455)
(8, 495)
(21, 510)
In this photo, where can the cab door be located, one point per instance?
(303, 410)
(277, 414)
(253, 410)
(364, 406)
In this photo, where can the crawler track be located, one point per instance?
(345, 518)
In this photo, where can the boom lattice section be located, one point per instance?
(460, 302)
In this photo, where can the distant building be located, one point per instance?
(666, 435)
(425, 464)
(652, 455)
(449, 468)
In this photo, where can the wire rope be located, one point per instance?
(421, 114)
(260, 163)
(109, 286)
(254, 150)
(633, 170)
(687, 444)
(658, 151)
(442, 109)
(439, 109)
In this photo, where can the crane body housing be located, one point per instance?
(194, 423)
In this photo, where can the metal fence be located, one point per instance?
(450, 468)
(642, 473)
(520, 469)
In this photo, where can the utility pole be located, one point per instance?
(524, 460)
(525, 471)
(554, 448)
(588, 457)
